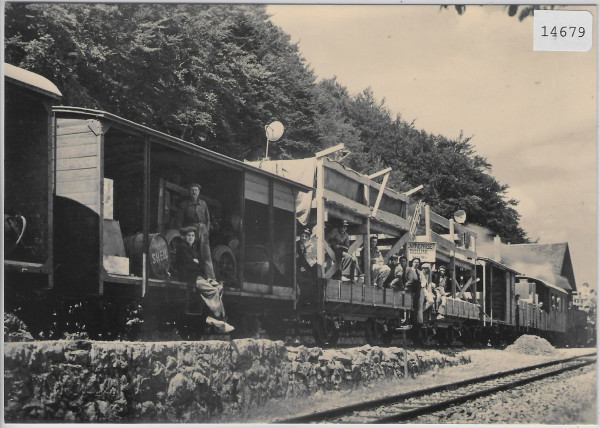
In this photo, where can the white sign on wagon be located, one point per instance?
(423, 250)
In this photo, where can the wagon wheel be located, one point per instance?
(375, 333)
(324, 330)
(445, 336)
(246, 323)
(421, 335)
(224, 263)
(275, 326)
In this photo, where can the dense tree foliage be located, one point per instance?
(216, 74)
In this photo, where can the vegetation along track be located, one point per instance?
(407, 406)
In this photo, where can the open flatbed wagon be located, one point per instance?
(369, 208)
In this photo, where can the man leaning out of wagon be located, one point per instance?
(193, 272)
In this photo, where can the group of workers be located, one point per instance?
(194, 264)
(429, 289)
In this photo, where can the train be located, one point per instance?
(91, 202)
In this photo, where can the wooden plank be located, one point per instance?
(351, 174)
(81, 186)
(459, 228)
(256, 192)
(87, 198)
(357, 292)
(77, 163)
(392, 219)
(464, 288)
(390, 193)
(77, 151)
(76, 140)
(283, 197)
(380, 194)
(396, 247)
(438, 219)
(330, 150)
(353, 219)
(76, 174)
(346, 292)
(78, 127)
(332, 289)
(347, 203)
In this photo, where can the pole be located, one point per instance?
(267, 152)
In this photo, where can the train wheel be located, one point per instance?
(224, 263)
(421, 335)
(445, 336)
(274, 326)
(375, 333)
(246, 324)
(325, 332)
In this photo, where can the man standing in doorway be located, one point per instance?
(194, 212)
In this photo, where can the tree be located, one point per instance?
(216, 74)
(512, 9)
(212, 74)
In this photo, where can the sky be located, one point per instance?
(532, 114)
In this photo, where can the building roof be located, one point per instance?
(555, 254)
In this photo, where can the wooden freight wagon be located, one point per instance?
(119, 189)
(369, 208)
(543, 307)
(29, 176)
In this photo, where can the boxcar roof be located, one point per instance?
(502, 265)
(31, 81)
(171, 141)
(543, 282)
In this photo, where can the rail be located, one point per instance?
(407, 406)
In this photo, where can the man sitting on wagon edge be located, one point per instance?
(339, 241)
(379, 270)
(194, 273)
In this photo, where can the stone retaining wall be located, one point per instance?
(86, 381)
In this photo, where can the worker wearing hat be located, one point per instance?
(194, 212)
(193, 272)
(379, 270)
(339, 241)
(302, 263)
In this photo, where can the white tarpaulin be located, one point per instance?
(301, 170)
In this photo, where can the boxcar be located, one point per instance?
(118, 188)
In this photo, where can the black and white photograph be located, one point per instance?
(295, 213)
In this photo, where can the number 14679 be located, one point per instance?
(563, 31)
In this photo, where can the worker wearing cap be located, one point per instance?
(301, 259)
(194, 212)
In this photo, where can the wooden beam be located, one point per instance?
(393, 220)
(380, 194)
(413, 190)
(354, 246)
(329, 150)
(344, 202)
(396, 247)
(438, 219)
(464, 288)
(427, 223)
(379, 173)
(320, 227)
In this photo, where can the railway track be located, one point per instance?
(407, 406)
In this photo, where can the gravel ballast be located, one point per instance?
(483, 361)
